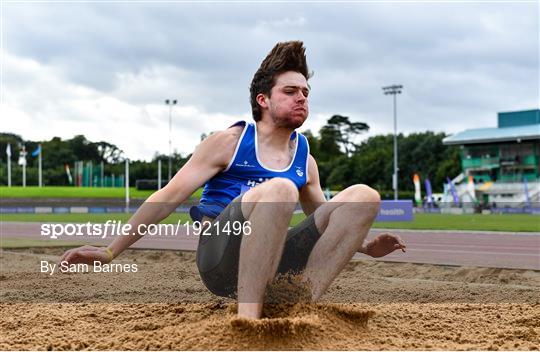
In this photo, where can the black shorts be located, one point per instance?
(218, 254)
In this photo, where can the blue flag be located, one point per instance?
(453, 191)
(37, 151)
(429, 192)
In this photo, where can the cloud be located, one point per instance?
(68, 109)
(105, 69)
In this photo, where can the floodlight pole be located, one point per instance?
(126, 183)
(170, 104)
(394, 90)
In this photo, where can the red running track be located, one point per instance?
(464, 248)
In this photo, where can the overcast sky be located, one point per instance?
(105, 69)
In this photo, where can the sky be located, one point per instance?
(104, 69)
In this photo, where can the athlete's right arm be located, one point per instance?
(209, 158)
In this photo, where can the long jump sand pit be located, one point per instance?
(372, 305)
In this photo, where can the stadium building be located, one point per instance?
(503, 161)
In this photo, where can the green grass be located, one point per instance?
(75, 192)
(83, 218)
(478, 222)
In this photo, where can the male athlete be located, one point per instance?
(255, 173)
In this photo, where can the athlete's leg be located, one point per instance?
(268, 208)
(344, 223)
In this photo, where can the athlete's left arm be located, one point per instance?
(311, 194)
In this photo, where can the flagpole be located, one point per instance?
(159, 174)
(9, 171)
(40, 174)
(23, 153)
(8, 153)
(102, 166)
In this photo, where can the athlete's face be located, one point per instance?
(288, 101)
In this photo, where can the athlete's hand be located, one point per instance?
(384, 244)
(86, 255)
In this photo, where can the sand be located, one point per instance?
(371, 305)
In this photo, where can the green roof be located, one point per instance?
(518, 118)
(495, 134)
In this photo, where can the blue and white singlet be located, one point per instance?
(246, 171)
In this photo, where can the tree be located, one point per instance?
(340, 175)
(346, 131)
(56, 153)
(84, 149)
(372, 162)
(109, 153)
(328, 147)
(449, 166)
(313, 142)
(421, 153)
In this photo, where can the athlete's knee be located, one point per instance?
(285, 188)
(363, 197)
(279, 190)
(276, 190)
(362, 193)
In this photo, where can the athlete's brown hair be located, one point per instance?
(286, 56)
